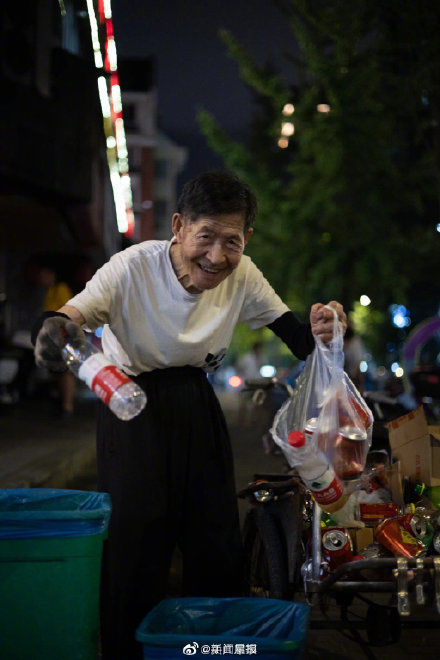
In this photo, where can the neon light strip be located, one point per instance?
(117, 154)
(107, 9)
(103, 97)
(95, 36)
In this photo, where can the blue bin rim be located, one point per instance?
(98, 504)
(174, 640)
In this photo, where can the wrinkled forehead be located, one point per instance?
(225, 223)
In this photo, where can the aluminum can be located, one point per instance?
(373, 513)
(311, 426)
(414, 524)
(419, 526)
(396, 538)
(350, 452)
(354, 407)
(336, 546)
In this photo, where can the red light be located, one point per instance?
(101, 11)
(235, 381)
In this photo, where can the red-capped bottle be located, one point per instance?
(123, 396)
(317, 474)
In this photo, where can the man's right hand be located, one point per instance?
(55, 332)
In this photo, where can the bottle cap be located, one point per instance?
(296, 439)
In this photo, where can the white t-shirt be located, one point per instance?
(151, 322)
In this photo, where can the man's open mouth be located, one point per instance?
(210, 271)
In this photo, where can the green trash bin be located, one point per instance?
(50, 564)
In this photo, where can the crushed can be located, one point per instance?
(418, 526)
(396, 538)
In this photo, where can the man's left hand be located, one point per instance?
(321, 320)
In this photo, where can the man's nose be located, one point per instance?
(216, 254)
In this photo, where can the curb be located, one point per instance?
(55, 471)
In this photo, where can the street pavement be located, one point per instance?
(40, 449)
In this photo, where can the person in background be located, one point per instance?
(249, 365)
(56, 296)
(169, 310)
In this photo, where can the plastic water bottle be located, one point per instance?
(123, 396)
(317, 474)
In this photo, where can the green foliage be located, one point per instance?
(374, 328)
(350, 206)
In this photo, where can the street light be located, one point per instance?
(364, 300)
(287, 128)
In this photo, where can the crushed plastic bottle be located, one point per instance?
(122, 395)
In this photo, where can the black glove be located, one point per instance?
(54, 333)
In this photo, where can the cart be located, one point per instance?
(280, 564)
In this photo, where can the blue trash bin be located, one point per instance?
(271, 629)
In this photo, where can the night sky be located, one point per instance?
(192, 67)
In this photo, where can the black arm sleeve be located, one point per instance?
(296, 335)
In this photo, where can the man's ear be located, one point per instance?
(247, 235)
(176, 224)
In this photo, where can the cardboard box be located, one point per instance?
(417, 446)
(361, 537)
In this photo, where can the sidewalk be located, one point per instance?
(40, 450)
(37, 449)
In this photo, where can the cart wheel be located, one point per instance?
(265, 556)
(383, 625)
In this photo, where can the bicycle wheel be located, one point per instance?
(265, 556)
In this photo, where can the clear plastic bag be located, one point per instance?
(327, 406)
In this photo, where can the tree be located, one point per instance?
(351, 208)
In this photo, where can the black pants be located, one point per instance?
(169, 472)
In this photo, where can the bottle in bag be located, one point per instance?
(316, 473)
(123, 396)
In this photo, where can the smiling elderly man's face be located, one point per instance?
(207, 250)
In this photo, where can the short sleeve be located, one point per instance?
(261, 304)
(102, 293)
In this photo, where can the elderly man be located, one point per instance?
(169, 309)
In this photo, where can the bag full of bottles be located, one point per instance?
(326, 423)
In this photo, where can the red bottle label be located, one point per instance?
(330, 494)
(108, 380)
